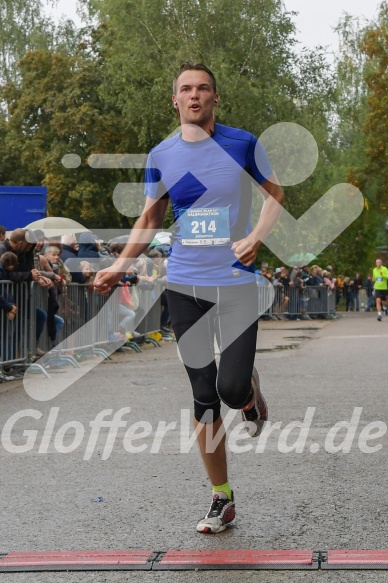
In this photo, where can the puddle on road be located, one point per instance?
(278, 348)
(294, 329)
(297, 337)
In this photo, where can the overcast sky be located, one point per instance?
(317, 18)
(315, 21)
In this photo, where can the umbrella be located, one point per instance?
(301, 259)
(162, 238)
(119, 239)
(56, 226)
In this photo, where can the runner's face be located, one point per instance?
(195, 98)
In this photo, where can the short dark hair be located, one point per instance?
(19, 235)
(8, 259)
(116, 247)
(3, 230)
(154, 253)
(187, 66)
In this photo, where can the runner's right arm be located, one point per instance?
(144, 230)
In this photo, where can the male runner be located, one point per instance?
(206, 171)
(380, 280)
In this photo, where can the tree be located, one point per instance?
(55, 110)
(144, 43)
(248, 44)
(375, 48)
(107, 90)
(24, 27)
(354, 250)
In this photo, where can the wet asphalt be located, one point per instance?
(330, 493)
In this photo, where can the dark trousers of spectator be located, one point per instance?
(293, 309)
(165, 315)
(349, 302)
(7, 338)
(41, 318)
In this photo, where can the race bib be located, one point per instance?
(380, 279)
(205, 226)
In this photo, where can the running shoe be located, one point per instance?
(379, 318)
(258, 413)
(221, 513)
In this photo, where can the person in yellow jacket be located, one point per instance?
(380, 284)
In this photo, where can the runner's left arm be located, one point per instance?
(246, 249)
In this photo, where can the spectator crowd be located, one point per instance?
(310, 292)
(301, 293)
(53, 264)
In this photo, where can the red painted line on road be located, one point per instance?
(237, 558)
(185, 560)
(60, 558)
(357, 558)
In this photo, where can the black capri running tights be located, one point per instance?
(230, 314)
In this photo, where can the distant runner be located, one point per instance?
(380, 281)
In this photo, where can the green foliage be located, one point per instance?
(55, 110)
(247, 43)
(375, 48)
(107, 89)
(20, 23)
(355, 249)
(25, 27)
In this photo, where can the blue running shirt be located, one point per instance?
(208, 175)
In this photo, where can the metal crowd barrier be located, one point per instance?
(79, 307)
(88, 320)
(150, 303)
(14, 333)
(76, 309)
(297, 302)
(38, 305)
